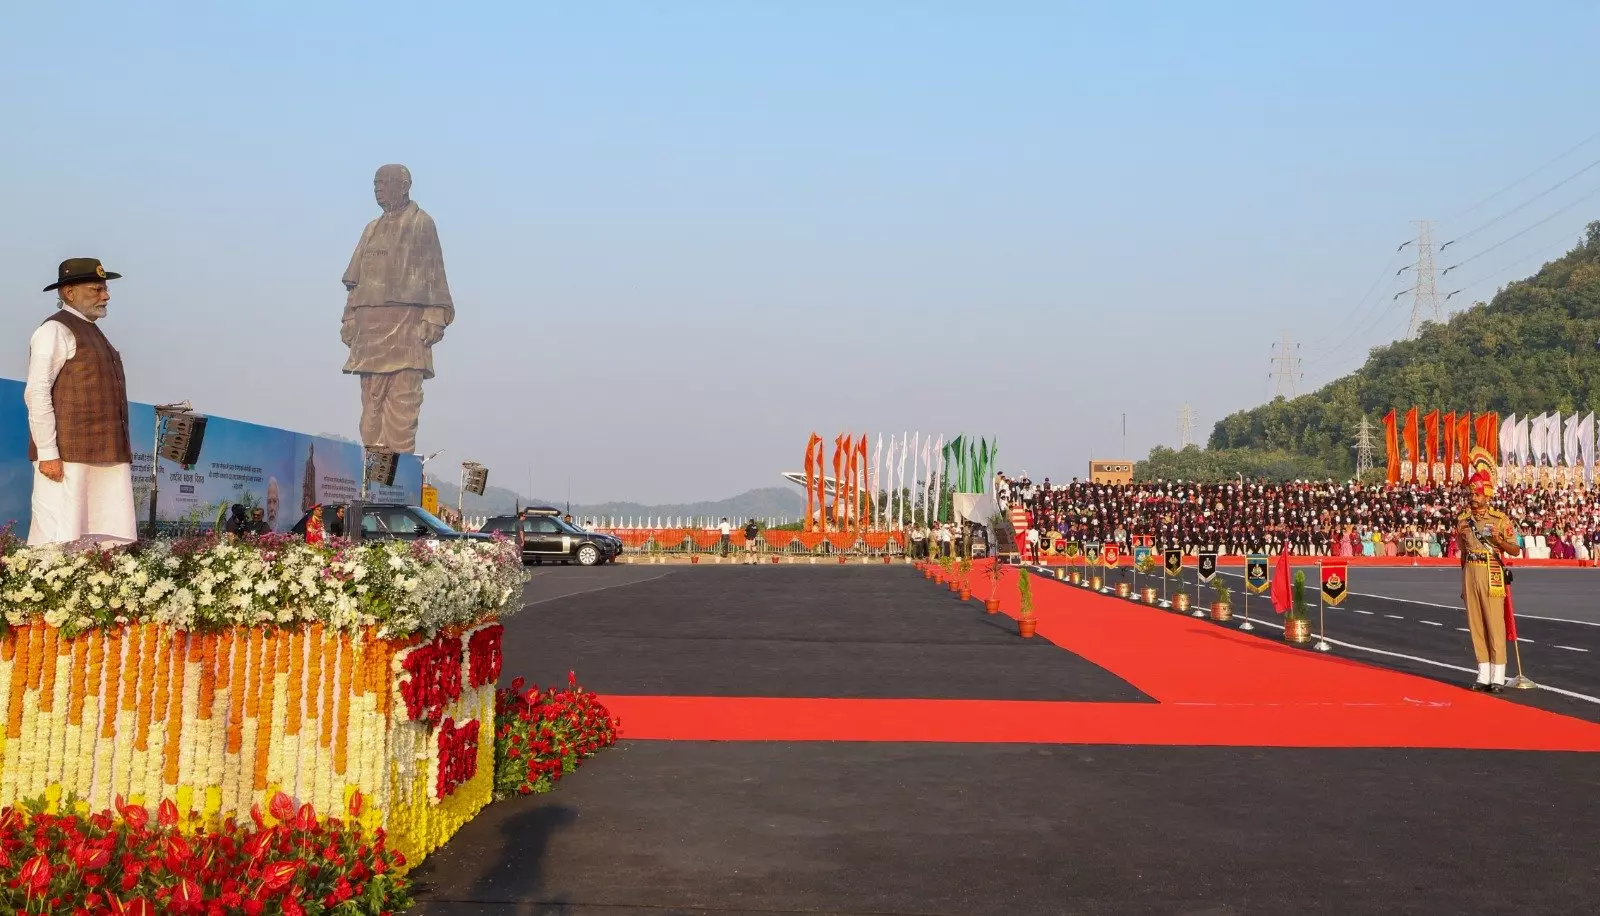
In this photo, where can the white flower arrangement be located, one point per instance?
(395, 587)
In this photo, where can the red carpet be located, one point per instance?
(1213, 686)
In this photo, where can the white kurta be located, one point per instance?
(93, 501)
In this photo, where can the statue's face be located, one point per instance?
(392, 188)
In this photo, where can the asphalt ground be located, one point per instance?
(766, 827)
(1412, 619)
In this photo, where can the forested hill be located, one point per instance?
(1529, 350)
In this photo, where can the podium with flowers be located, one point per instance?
(216, 676)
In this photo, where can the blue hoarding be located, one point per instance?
(280, 471)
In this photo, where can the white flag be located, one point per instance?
(1536, 440)
(1522, 441)
(1569, 440)
(1553, 439)
(900, 492)
(927, 477)
(872, 482)
(1586, 447)
(938, 474)
(1508, 440)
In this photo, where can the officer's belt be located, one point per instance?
(1476, 557)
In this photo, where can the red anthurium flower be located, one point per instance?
(35, 874)
(355, 804)
(186, 897)
(135, 816)
(277, 876)
(167, 813)
(282, 807)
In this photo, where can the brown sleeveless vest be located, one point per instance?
(91, 400)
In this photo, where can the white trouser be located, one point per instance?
(92, 500)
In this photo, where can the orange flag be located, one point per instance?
(1410, 439)
(1463, 442)
(838, 476)
(1448, 427)
(1391, 443)
(1488, 430)
(811, 478)
(1430, 446)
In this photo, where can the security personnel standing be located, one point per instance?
(1484, 534)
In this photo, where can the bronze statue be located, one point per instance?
(397, 309)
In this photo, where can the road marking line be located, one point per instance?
(1431, 623)
(1457, 607)
(1521, 639)
(1572, 648)
(1359, 611)
(1394, 616)
(1428, 661)
(1462, 630)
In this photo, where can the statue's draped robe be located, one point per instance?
(400, 289)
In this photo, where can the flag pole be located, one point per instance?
(1522, 681)
(1322, 620)
(1247, 626)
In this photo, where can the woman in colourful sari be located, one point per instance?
(314, 532)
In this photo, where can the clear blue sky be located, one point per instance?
(697, 231)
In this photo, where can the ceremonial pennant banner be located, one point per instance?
(1091, 553)
(1256, 577)
(1110, 555)
(1072, 548)
(1335, 582)
(1174, 562)
(1141, 555)
(1208, 566)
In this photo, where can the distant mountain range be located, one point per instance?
(765, 502)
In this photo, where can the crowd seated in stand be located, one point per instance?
(1314, 518)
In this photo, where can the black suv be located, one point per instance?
(547, 536)
(390, 522)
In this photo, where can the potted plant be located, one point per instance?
(966, 577)
(991, 604)
(1222, 602)
(1297, 623)
(1025, 622)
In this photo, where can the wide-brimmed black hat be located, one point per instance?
(80, 270)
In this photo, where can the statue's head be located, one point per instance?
(392, 187)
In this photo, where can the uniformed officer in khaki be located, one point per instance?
(1483, 534)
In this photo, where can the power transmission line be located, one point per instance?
(1185, 426)
(1366, 444)
(1287, 367)
(1519, 207)
(1569, 151)
(1514, 237)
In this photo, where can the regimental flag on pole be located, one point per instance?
(1071, 549)
(1282, 596)
(1110, 555)
(1335, 582)
(1141, 556)
(1091, 553)
(1256, 577)
(1208, 565)
(1174, 562)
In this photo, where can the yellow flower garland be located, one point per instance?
(220, 722)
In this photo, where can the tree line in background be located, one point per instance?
(1531, 349)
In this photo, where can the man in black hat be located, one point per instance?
(77, 399)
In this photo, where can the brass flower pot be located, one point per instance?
(1124, 589)
(1075, 577)
(1220, 611)
(1149, 595)
(1297, 629)
(1180, 602)
(1094, 582)
(1026, 627)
